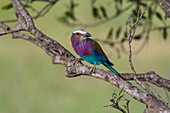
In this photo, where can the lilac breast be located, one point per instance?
(82, 48)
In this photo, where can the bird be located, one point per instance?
(90, 50)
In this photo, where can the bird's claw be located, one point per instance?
(77, 60)
(92, 69)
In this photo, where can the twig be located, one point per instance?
(42, 12)
(156, 93)
(40, 0)
(160, 28)
(150, 77)
(11, 30)
(116, 99)
(167, 96)
(8, 21)
(116, 106)
(130, 35)
(127, 104)
(44, 8)
(102, 21)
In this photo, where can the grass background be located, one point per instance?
(30, 83)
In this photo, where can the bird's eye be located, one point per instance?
(77, 33)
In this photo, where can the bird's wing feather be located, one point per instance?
(98, 48)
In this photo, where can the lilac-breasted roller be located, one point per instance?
(89, 50)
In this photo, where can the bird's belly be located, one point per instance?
(92, 59)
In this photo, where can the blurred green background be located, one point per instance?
(30, 83)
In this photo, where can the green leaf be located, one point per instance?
(159, 15)
(7, 7)
(131, 0)
(137, 37)
(118, 11)
(26, 6)
(134, 12)
(72, 5)
(150, 12)
(120, 1)
(143, 4)
(140, 24)
(120, 98)
(165, 33)
(116, 0)
(96, 13)
(123, 40)
(63, 20)
(118, 32)
(125, 34)
(26, 0)
(113, 95)
(70, 14)
(103, 11)
(110, 33)
(143, 17)
(113, 101)
(121, 91)
(112, 44)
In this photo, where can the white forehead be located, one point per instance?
(81, 31)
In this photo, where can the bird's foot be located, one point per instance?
(92, 69)
(77, 60)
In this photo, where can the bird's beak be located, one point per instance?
(88, 35)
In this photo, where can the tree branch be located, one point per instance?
(150, 77)
(165, 5)
(60, 55)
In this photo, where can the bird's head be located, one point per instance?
(82, 34)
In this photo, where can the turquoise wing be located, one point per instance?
(100, 53)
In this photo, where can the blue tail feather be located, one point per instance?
(111, 69)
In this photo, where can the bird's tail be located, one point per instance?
(111, 69)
